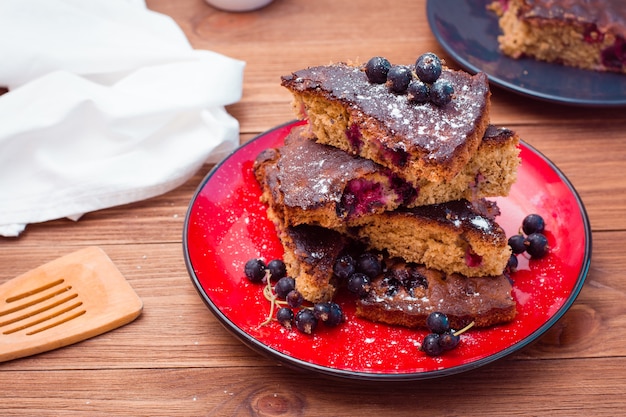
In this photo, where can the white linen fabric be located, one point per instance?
(108, 104)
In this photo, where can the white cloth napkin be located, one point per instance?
(108, 104)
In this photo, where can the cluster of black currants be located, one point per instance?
(304, 319)
(442, 337)
(421, 83)
(531, 239)
(288, 301)
(358, 271)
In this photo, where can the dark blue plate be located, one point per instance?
(468, 33)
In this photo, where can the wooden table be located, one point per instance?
(177, 360)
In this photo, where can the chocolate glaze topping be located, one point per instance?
(608, 15)
(484, 300)
(314, 173)
(464, 215)
(495, 132)
(316, 246)
(435, 131)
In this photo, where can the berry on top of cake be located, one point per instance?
(420, 128)
(588, 34)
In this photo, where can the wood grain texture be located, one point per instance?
(176, 359)
(507, 388)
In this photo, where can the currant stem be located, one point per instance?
(269, 295)
(464, 329)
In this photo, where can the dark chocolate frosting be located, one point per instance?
(316, 174)
(463, 215)
(608, 15)
(434, 131)
(316, 246)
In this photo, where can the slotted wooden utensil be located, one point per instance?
(67, 300)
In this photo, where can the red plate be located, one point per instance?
(226, 225)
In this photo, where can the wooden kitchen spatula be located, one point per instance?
(67, 300)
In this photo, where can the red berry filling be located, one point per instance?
(398, 157)
(592, 34)
(363, 196)
(615, 55)
(354, 137)
(404, 190)
(472, 259)
(360, 197)
(395, 156)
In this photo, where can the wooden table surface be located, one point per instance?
(177, 360)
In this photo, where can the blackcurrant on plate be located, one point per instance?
(226, 225)
(468, 32)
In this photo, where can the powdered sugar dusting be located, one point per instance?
(481, 223)
(315, 174)
(437, 130)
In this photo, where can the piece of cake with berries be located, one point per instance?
(405, 294)
(424, 122)
(311, 183)
(388, 289)
(458, 236)
(579, 33)
(310, 256)
(454, 237)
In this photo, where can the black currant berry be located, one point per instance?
(344, 266)
(512, 263)
(305, 321)
(369, 264)
(398, 79)
(294, 299)
(449, 340)
(277, 268)
(428, 67)
(376, 70)
(254, 270)
(441, 92)
(321, 311)
(359, 284)
(516, 242)
(438, 322)
(285, 316)
(431, 345)
(284, 286)
(536, 245)
(335, 315)
(533, 223)
(418, 92)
